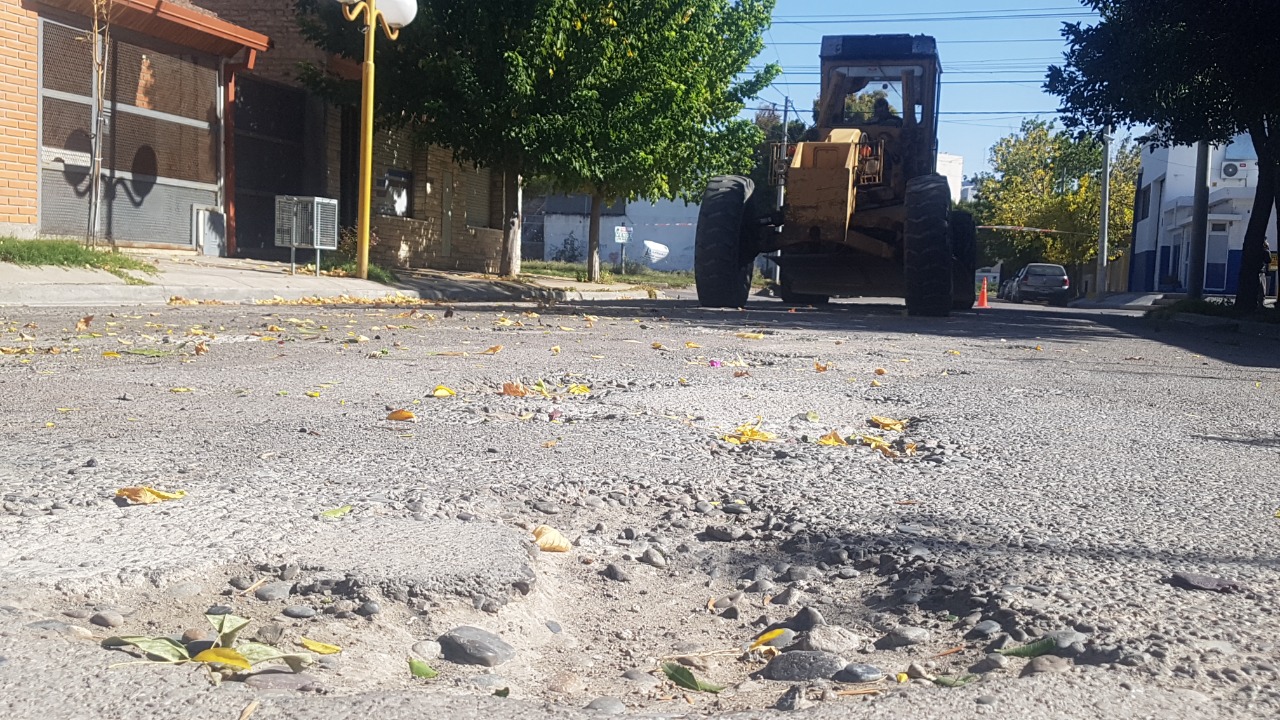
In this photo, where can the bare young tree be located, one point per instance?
(101, 44)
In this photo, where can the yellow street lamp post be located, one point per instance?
(393, 15)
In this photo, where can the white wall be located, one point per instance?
(666, 222)
(952, 166)
(671, 223)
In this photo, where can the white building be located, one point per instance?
(952, 166)
(557, 229)
(1162, 217)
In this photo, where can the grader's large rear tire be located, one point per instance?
(964, 259)
(723, 248)
(927, 247)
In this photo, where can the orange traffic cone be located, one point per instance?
(982, 296)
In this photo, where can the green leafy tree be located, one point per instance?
(1191, 70)
(1050, 179)
(611, 98)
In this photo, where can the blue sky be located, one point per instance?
(994, 54)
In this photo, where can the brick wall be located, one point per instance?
(276, 19)
(19, 99)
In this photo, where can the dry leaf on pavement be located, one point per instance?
(819, 367)
(493, 350)
(83, 323)
(555, 349)
(832, 439)
(143, 495)
(550, 540)
(201, 348)
(225, 656)
(881, 371)
(692, 345)
(885, 423)
(319, 648)
(401, 415)
(514, 389)
(747, 433)
(579, 389)
(550, 444)
(750, 335)
(442, 392)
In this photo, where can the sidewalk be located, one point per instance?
(235, 280)
(1121, 301)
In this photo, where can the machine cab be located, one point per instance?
(884, 87)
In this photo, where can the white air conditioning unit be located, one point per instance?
(306, 222)
(1237, 170)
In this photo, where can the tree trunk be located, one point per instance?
(1254, 255)
(593, 239)
(512, 215)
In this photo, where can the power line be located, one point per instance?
(814, 43)
(982, 113)
(934, 19)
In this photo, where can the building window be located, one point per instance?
(394, 194)
(1144, 203)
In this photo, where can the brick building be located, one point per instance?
(204, 124)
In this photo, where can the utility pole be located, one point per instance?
(1199, 223)
(1100, 280)
(782, 182)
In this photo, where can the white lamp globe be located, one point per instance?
(398, 13)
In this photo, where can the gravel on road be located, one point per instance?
(914, 506)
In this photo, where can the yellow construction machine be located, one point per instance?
(865, 212)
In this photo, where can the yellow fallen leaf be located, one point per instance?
(83, 323)
(953, 352)
(550, 444)
(225, 656)
(566, 329)
(504, 321)
(692, 345)
(401, 415)
(832, 439)
(319, 648)
(766, 638)
(201, 348)
(875, 383)
(590, 318)
(111, 354)
(493, 350)
(49, 425)
(514, 390)
(747, 433)
(180, 390)
(313, 394)
(597, 357)
(885, 423)
(550, 540)
(819, 367)
(143, 495)
(275, 328)
(657, 346)
(881, 371)
(1039, 348)
(579, 389)
(442, 392)
(903, 677)
(750, 335)
(555, 349)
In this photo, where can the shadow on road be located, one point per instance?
(1025, 324)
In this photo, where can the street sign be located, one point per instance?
(622, 234)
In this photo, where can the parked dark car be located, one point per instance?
(1006, 289)
(1042, 281)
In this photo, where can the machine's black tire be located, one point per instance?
(794, 298)
(723, 254)
(927, 247)
(964, 259)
